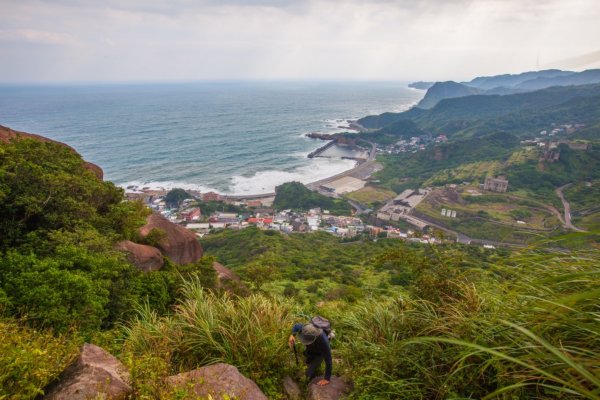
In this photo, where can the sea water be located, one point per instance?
(230, 137)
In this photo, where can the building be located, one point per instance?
(193, 214)
(254, 203)
(211, 196)
(260, 221)
(499, 184)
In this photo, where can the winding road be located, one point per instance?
(567, 207)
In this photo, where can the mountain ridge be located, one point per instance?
(505, 84)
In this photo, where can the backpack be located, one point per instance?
(323, 323)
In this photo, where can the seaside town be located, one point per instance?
(259, 213)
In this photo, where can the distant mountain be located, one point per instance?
(510, 80)
(445, 90)
(507, 84)
(454, 114)
(421, 85)
(577, 78)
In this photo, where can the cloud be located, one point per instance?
(37, 37)
(285, 39)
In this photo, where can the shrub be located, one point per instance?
(31, 359)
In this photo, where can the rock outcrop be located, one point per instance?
(146, 258)
(94, 374)
(291, 389)
(7, 134)
(338, 388)
(229, 281)
(179, 244)
(221, 381)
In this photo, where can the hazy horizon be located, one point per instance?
(160, 41)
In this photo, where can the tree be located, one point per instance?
(176, 196)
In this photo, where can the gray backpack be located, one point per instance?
(323, 323)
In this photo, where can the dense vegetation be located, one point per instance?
(285, 264)
(58, 224)
(297, 197)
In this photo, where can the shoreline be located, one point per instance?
(332, 141)
(148, 189)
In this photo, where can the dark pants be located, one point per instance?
(312, 365)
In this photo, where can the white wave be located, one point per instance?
(299, 154)
(163, 185)
(265, 181)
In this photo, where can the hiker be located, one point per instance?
(317, 350)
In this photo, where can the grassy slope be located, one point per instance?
(464, 328)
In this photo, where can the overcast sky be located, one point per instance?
(181, 40)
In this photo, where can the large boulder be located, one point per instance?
(221, 381)
(229, 281)
(338, 388)
(291, 389)
(7, 134)
(179, 244)
(146, 258)
(94, 374)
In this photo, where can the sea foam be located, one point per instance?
(265, 181)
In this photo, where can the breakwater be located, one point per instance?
(321, 149)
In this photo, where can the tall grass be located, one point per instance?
(534, 335)
(206, 328)
(527, 328)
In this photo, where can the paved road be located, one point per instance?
(567, 207)
(460, 237)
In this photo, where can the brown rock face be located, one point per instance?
(7, 134)
(221, 381)
(229, 281)
(338, 388)
(95, 374)
(180, 245)
(146, 258)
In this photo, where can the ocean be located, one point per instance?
(230, 137)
